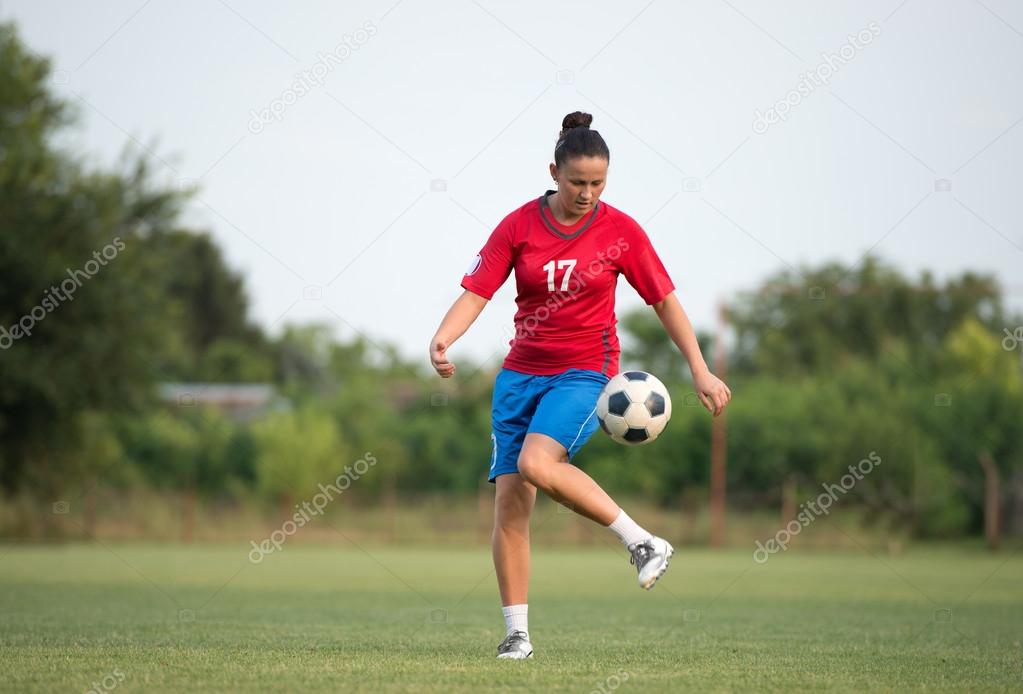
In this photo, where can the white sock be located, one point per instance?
(627, 530)
(515, 618)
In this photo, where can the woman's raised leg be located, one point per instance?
(544, 463)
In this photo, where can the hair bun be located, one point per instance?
(576, 119)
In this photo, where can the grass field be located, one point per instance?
(318, 618)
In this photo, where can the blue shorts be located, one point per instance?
(562, 406)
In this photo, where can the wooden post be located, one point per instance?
(991, 494)
(391, 507)
(690, 512)
(718, 444)
(188, 515)
(788, 500)
(89, 510)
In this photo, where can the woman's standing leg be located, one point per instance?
(514, 500)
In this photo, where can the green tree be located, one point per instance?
(79, 321)
(101, 292)
(296, 452)
(976, 413)
(810, 320)
(207, 300)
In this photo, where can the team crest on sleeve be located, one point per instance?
(477, 261)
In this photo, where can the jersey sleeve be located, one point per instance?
(492, 265)
(641, 265)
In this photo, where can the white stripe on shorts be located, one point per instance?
(580, 432)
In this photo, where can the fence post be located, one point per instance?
(991, 494)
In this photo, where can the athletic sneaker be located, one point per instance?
(515, 646)
(651, 560)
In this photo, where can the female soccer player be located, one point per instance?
(567, 249)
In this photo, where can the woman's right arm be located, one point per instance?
(459, 317)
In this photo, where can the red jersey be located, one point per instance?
(566, 278)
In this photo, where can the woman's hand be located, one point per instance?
(456, 321)
(712, 391)
(440, 362)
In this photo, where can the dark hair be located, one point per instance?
(577, 140)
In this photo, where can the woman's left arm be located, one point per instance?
(711, 390)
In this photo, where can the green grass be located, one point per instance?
(320, 618)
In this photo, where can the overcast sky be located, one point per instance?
(397, 135)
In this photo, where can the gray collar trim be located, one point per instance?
(557, 232)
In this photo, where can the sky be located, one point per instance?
(352, 158)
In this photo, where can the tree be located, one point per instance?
(810, 320)
(79, 320)
(978, 424)
(101, 292)
(298, 451)
(208, 302)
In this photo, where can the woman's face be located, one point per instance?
(580, 180)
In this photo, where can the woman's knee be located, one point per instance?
(514, 500)
(537, 460)
(534, 466)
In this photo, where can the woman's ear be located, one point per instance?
(554, 172)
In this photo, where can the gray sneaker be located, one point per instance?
(516, 646)
(651, 560)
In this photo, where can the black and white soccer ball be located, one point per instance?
(633, 408)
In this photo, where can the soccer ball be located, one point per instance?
(633, 408)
